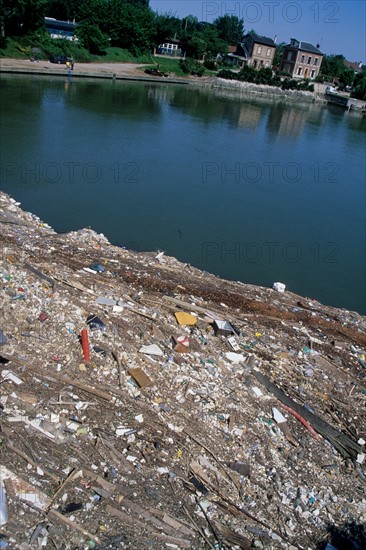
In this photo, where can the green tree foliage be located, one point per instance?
(191, 66)
(230, 28)
(19, 17)
(360, 86)
(209, 34)
(195, 47)
(278, 55)
(189, 25)
(64, 10)
(92, 38)
(333, 65)
(129, 24)
(204, 40)
(167, 26)
(347, 77)
(265, 76)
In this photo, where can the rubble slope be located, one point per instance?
(126, 424)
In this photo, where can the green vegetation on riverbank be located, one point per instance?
(166, 65)
(129, 31)
(265, 76)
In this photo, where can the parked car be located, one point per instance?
(60, 59)
(330, 90)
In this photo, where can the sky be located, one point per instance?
(338, 27)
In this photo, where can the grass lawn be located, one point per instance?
(171, 65)
(118, 55)
(166, 65)
(15, 50)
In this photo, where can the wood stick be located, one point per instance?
(80, 385)
(31, 462)
(72, 475)
(187, 432)
(120, 368)
(56, 516)
(134, 522)
(200, 531)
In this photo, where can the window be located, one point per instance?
(302, 58)
(299, 71)
(289, 56)
(309, 60)
(316, 61)
(313, 73)
(269, 52)
(259, 49)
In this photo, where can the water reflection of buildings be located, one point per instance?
(291, 120)
(287, 121)
(249, 116)
(160, 94)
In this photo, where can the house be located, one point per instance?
(254, 51)
(61, 29)
(301, 59)
(354, 65)
(172, 47)
(260, 50)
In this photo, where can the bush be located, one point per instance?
(92, 38)
(319, 78)
(289, 84)
(248, 74)
(228, 75)
(191, 66)
(264, 76)
(283, 73)
(52, 47)
(210, 64)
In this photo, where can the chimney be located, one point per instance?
(275, 39)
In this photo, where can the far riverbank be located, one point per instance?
(133, 71)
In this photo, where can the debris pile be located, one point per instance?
(148, 404)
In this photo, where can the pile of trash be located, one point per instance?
(147, 404)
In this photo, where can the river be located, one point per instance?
(249, 190)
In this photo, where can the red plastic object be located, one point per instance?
(85, 345)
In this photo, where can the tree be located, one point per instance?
(166, 26)
(92, 38)
(195, 47)
(278, 55)
(360, 86)
(20, 17)
(209, 34)
(191, 66)
(64, 10)
(347, 77)
(189, 24)
(130, 24)
(230, 27)
(131, 27)
(333, 65)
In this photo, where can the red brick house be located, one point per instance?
(301, 59)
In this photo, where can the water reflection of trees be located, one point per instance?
(130, 100)
(135, 101)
